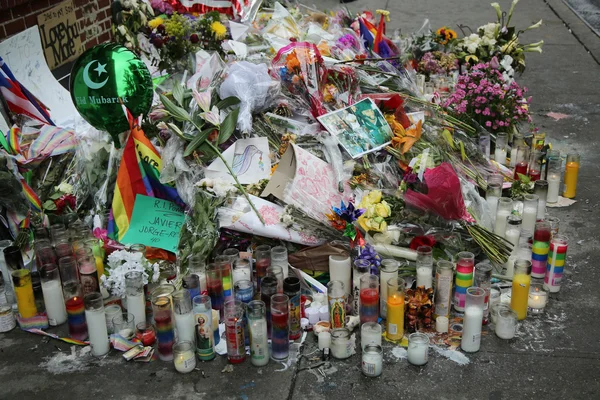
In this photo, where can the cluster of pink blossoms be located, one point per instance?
(484, 95)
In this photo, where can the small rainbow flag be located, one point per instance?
(139, 173)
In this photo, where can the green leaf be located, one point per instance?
(175, 111)
(178, 94)
(228, 102)
(208, 151)
(49, 205)
(197, 141)
(228, 126)
(463, 155)
(55, 196)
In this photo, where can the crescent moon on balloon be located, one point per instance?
(86, 77)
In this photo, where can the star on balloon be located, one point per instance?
(100, 69)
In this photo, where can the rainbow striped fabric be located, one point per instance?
(139, 173)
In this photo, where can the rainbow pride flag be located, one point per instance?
(139, 173)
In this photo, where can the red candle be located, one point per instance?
(521, 168)
(535, 175)
(369, 305)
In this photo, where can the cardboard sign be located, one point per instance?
(155, 223)
(60, 34)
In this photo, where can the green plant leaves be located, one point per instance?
(178, 93)
(198, 140)
(227, 102)
(228, 126)
(174, 110)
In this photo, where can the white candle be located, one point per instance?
(529, 217)
(241, 274)
(510, 266)
(97, 332)
(356, 275)
(372, 361)
(418, 352)
(259, 342)
(185, 361)
(538, 298)
(500, 224)
(313, 315)
(127, 333)
(424, 276)
(553, 188)
(513, 155)
(506, 324)
(324, 313)
(324, 340)
(471, 337)
(500, 155)
(185, 325)
(492, 202)
(541, 210)
(55, 302)
(441, 324)
(136, 305)
(370, 333)
(340, 269)
(342, 346)
(512, 234)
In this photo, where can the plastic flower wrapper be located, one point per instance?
(254, 87)
(342, 170)
(300, 68)
(340, 87)
(347, 46)
(121, 262)
(282, 24)
(173, 162)
(442, 195)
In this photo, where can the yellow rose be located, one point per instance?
(383, 209)
(374, 196)
(370, 213)
(377, 224)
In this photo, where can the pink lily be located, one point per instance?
(202, 99)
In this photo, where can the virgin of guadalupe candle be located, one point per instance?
(136, 302)
(337, 304)
(96, 323)
(557, 256)
(234, 331)
(203, 328)
(291, 288)
(369, 298)
(184, 317)
(184, 358)
(75, 310)
(473, 320)
(162, 307)
(444, 273)
(53, 295)
(395, 307)
(259, 345)
(340, 269)
(361, 267)
(388, 270)
(280, 327)
(464, 278)
(540, 248)
(24, 292)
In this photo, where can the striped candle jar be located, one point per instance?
(76, 318)
(540, 248)
(464, 278)
(557, 256)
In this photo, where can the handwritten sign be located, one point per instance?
(60, 34)
(155, 223)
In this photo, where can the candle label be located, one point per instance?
(235, 339)
(204, 336)
(7, 319)
(369, 368)
(89, 282)
(295, 328)
(337, 312)
(392, 329)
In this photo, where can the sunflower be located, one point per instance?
(445, 35)
(219, 30)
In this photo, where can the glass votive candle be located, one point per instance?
(342, 345)
(370, 334)
(495, 294)
(184, 356)
(496, 308)
(441, 324)
(144, 332)
(111, 312)
(418, 348)
(538, 298)
(372, 360)
(506, 323)
(123, 324)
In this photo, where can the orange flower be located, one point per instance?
(292, 62)
(412, 135)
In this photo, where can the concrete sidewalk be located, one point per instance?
(554, 356)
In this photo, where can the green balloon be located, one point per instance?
(104, 76)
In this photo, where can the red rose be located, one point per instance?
(421, 241)
(60, 205)
(194, 38)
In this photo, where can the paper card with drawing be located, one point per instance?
(360, 128)
(248, 158)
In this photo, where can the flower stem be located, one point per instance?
(239, 185)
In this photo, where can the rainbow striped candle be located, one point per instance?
(76, 318)
(540, 248)
(557, 256)
(165, 334)
(464, 278)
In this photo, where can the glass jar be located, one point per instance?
(291, 288)
(500, 148)
(280, 326)
(277, 272)
(279, 257)
(184, 317)
(13, 258)
(372, 360)
(553, 175)
(473, 320)
(162, 307)
(124, 324)
(540, 189)
(145, 333)
(557, 258)
(571, 175)
(44, 254)
(361, 267)
(485, 144)
(215, 287)
(505, 206)
(36, 285)
(244, 291)
(268, 288)
(522, 164)
(136, 301)
(233, 254)
(73, 295)
(67, 267)
(262, 260)
(513, 229)
(538, 298)
(53, 295)
(337, 304)
(257, 324)
(554, 224)
(96, 323)
(425, 266)
(224, 264)
(418, 348)
(342, 346)
(340, 269)
(138, 248)
(204, 327)
(495, 309)
(444, 273)
(111, 311)
(24, 292)
(517, 140)
(191, 283)
(464, 278)
(184, 358)
(242, 271)
(370, 334)
(88, 275)
(369, 298)
(493, 193)
(530, 211)
(520, 288)
(197, 266)
(388, 270)
(535, 165)
(506, 323)
(483, 279)
(234, 332)
(395, 308)
(63, 247)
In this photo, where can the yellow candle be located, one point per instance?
(24, 293)
(520, 294)
(395, 316)
(571, 173)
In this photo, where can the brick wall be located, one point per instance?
(93, 17)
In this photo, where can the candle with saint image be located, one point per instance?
(96, 323)
(262, 256)
(203, 326)
(520, 288)
(337, 304)
(557, 256)
(53, 295)
(395, 308)
(75, 310)
(473, 319)
(464, 278)
(369, 298)
(162, 307)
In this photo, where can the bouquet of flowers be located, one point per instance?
(437, 62)
(121, 262)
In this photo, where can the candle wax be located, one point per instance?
(369, 305)
(520, 295)
(98, 334)
(553, 188)
(136, 305)
(571, 172)
(55, 302)
(185, 361)
(395, 317)
(500, 225)
(472, 321)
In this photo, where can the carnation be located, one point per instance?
(121, 262)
